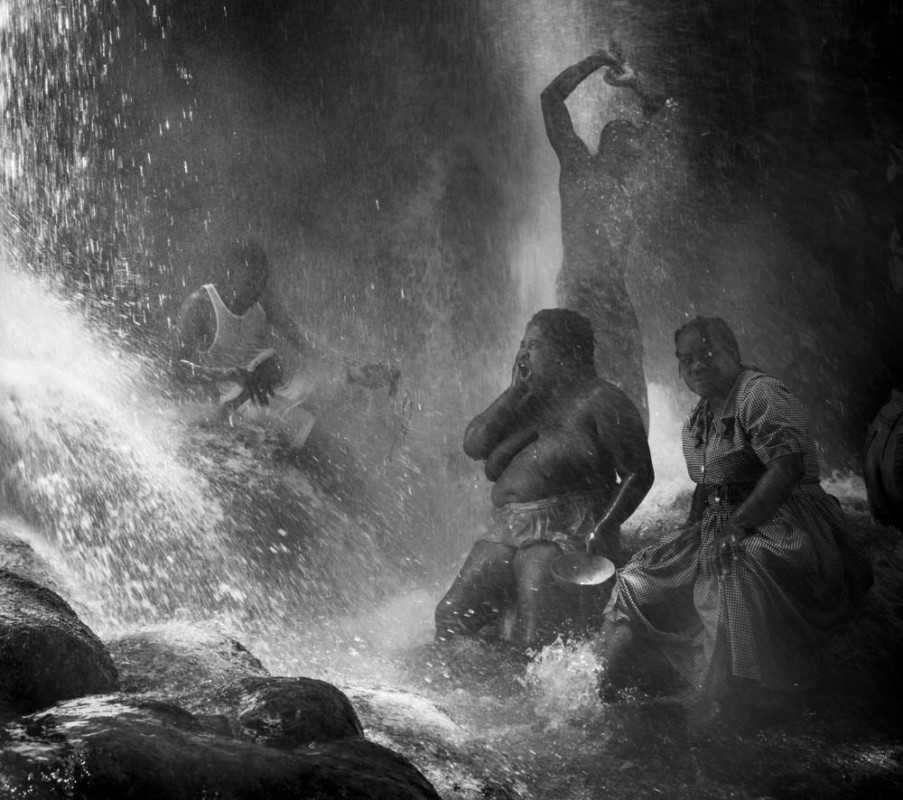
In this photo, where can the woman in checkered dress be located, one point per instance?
(766, 564)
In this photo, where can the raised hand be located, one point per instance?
(621, 74)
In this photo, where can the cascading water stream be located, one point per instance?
(151, 518)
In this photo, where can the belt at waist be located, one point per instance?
(735, 493)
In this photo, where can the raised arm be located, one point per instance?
(559, 127)
(623, 74)
(312, 346)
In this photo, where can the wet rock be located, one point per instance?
(18, 555)
(182, 661)
(458, 765)
(199, 669)
(229, 693)
(106, 747)
(46, 653)
(292, 712)
(218, 680)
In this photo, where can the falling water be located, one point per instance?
(149, 518)
(130, 144)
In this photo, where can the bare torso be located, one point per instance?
(596, 216)
(558, 449)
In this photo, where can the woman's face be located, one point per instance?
(708, 367)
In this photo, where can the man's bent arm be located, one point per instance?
(504, 452)
(557, 118)
(623, 434)
(630, 493)
(489, 428)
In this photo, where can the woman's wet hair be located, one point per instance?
(711, 329)
(568, 331)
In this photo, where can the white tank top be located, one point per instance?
(238, 339)
(237, 342)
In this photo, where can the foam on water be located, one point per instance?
(563, 680)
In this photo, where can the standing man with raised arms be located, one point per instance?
(597, 220)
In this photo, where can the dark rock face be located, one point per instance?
(106, 746)
(216, 678)
(291, 712)
(181, 662)
(229, 693)
(112, 747)
(17, 555)
(46, 653)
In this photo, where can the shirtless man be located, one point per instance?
(597, 220)
(224, 338)
(568, 457)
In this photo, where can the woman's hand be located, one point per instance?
(726, 548)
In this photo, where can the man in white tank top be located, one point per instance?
(224, 338)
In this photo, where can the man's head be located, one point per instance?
(246, 270)
(620, 146)
(565, 339)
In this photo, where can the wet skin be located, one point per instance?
(559, 448)
(558, 428)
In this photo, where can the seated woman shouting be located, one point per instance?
(766, 562)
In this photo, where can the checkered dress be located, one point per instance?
(798, 574)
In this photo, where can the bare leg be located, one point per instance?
(480, 594)
(543, 607)
(615, 643)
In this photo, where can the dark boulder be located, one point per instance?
(18, 555)
(292, 712)
(217, 679)
(183, 662)
(109, 747)
(46, 653)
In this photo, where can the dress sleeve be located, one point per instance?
(773, 419)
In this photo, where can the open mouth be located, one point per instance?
(524, 371)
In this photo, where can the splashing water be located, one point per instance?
(150, 517)
(87, 461)
(564, 681)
